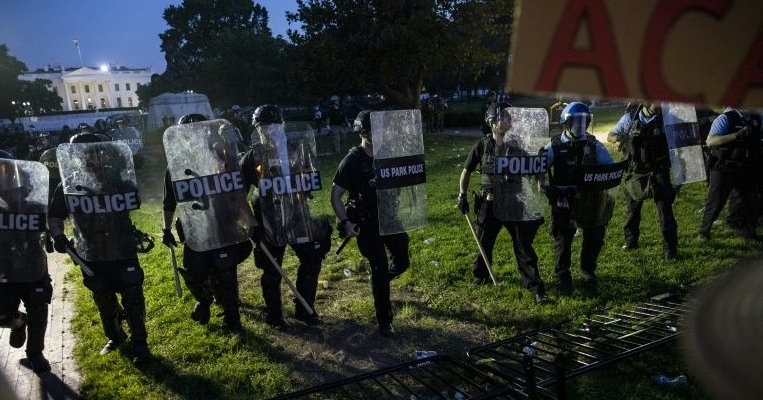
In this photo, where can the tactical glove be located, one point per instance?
(257, 233)
(168, 239)
(463, 204)
(60, 243)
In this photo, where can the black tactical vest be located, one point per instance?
(649, 145)
(736, 154)
(568, 157)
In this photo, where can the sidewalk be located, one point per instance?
(62, 382)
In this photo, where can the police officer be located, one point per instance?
(23, 263)
(643, 141)
(492, 213)
(566, 153)
(355, 176)
(280, 215)
(66, 134)
(209, 274)
(337, 121)
(733, 145)
(43, 143)
(105, 240)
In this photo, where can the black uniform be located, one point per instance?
(356, 175)
(488, 227)
(569, 207)
(310, 253)
(643, 141)
(24, 278)
(95, 234)
(212, 274)
(730, 167)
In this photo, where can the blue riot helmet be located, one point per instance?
(576, 117)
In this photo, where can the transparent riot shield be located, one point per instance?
(203, 164)
(23, 208)
(684, 143)
(48, 159)
(515, 191)
(130, 136)
(400, 170)
(100, 189)
(289, 173)
(594, 204)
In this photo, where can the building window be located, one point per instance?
(137, 86)
(75, 104)
(116, 87)
(119, 102)
(74, 89)
(127, 86)
(103, 102)
(87, 88)
(100, 88)
(129, 102)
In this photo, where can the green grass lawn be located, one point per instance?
(436, 308)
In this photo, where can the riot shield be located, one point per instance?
(203, 165)
(23, 208)
(100, 189)
(130, 136)
(594, 204)
(684, 143)
(399, 170)
(515, 190)
(289, 174)
(48, 159)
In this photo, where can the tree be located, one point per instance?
(394, 46)
(10, 86)
(14, 90)
(222, 48)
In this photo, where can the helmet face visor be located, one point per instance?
(577, 124)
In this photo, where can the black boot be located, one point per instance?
(17, 338)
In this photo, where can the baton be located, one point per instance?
(482, 251)
(286, 278)
(77, 260)
(178, 289)
(344, 243)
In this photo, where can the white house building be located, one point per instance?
(93, 89)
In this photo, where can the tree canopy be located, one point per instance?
(223, 49)
(395, 46)
(12, 89)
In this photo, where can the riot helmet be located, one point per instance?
(191, 118)
(362, 122)
(334, 98)
(494, 111)
(267, 114)
(84, 128)
(576, 117)
(101, 126)
(85, 138)
(120, 122)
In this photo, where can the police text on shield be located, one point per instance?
(209, 185)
